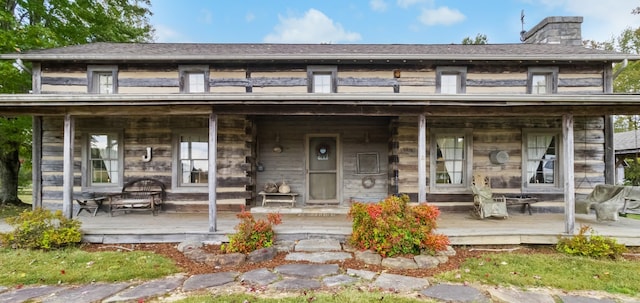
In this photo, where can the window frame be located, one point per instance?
(467, 170)
(87, 182)
(176, 183)
(558, 181)
(551, 77)
(185, 70)
(461, 76)
(313, 70)
(93, 74)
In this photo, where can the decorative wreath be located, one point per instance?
(322, 149)
(368, 182)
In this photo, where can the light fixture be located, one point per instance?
(366, 137)
(277, 148)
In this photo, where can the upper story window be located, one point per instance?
(322, 79)
(451, 79)
(451, 158)
(541, 157)
(103, 158)
(102, 79)
(192, 158)
(542, 80)
(194, 78)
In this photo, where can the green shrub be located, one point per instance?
(591, 245)
(252, 234)
(392, 227)
(41, 229)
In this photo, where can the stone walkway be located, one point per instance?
(293, 278)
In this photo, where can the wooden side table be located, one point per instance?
(91, 205)
(278, 198)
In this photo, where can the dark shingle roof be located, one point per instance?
(626, 141)
(257, 52)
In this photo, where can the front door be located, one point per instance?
(323, 169)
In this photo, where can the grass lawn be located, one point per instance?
(345, 296)
(553, 270)
(75, 266)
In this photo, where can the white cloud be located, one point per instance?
(602, 19)
(441, 16)
(313, 27)
(407, 3)
(378, 5)
(249, 17)
(165, 34)
(205, 17)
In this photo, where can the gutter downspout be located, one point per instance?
(625, 63)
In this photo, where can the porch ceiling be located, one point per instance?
(312, 104)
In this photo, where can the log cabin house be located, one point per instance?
(337, 123)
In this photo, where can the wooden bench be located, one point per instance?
(278, 198)
(138, 195)
(525, 201)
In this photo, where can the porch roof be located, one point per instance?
(339, 103)
(356, 53)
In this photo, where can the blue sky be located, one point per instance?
(377, 21)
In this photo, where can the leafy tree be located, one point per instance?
(479, 39)
(34, 24)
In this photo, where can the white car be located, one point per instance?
(548, 171)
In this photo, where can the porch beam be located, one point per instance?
(422, 158)
(568, 173)
(67, 166)
(213, 157)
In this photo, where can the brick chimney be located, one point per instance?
(556, 30)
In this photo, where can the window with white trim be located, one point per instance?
(451, 79)
(450, 158)
(194, 78)
(192, 158)
(541, 157)
(322, 79)
(102, 79)
(103, 159)
(542, 80)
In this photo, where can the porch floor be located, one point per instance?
(460, 227)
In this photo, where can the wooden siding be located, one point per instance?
(480, 79)
(156, 132)
(290, 163)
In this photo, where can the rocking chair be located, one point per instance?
(484, 203)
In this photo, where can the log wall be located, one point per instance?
(155, 132)
(498, 134)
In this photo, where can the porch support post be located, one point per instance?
(422, 158)
(213, 157)
(67, 166)
(609, 151)
(36, 162)
(568, 173)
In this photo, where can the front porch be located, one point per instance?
(539, 228)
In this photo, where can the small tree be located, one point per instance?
(252, 234)
(392, 227)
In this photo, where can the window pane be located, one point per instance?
(103, 159)
(539, 84)
(450, 162)
(449, 84)
(194, 154)
(195, 82)
(322, 83)
(105, 83)
(541, 158)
